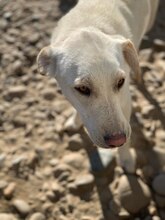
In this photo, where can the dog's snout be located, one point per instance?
(115, 140)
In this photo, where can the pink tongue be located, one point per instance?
(117, 140)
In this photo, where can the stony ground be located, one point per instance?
(48, 173)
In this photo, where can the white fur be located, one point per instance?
(94, 45)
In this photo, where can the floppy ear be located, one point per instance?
(131, 57)
(46, 61)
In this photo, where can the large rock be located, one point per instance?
(158, 184)
(133, 193)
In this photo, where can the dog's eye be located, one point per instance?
(120, 83)
(83, 90)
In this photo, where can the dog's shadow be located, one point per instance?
(66, 5)
(158, 113)
(102, 180)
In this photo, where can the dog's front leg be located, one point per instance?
(126, 158)
(73, 123)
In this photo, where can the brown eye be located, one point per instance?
(83, 90)
(120, 83)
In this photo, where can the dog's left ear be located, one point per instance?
(131, 57)
(46, 61)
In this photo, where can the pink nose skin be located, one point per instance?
(116, 140)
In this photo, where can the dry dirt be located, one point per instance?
(52, 174)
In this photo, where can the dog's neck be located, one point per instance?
(108, 18)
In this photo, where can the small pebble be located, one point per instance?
(2, 159)
(17, 66)
(84, 182)
(3, 184)
(5, 216)
(21, 206)
(75, 143)
(156, 218)
(9, 190)
(16, 91)
(48, 94)
(159, 45)
(37, 216)
(75, 160)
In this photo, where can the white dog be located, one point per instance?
(92, 51)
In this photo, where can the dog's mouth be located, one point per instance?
(113, 146)
(110, 146)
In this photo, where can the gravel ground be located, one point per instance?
(48, 173)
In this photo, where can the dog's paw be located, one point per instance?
(129, 166)
(127, 160)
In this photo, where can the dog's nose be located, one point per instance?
(115, 140)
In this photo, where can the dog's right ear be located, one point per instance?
(46, 61)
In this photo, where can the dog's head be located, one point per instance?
(92, 70)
